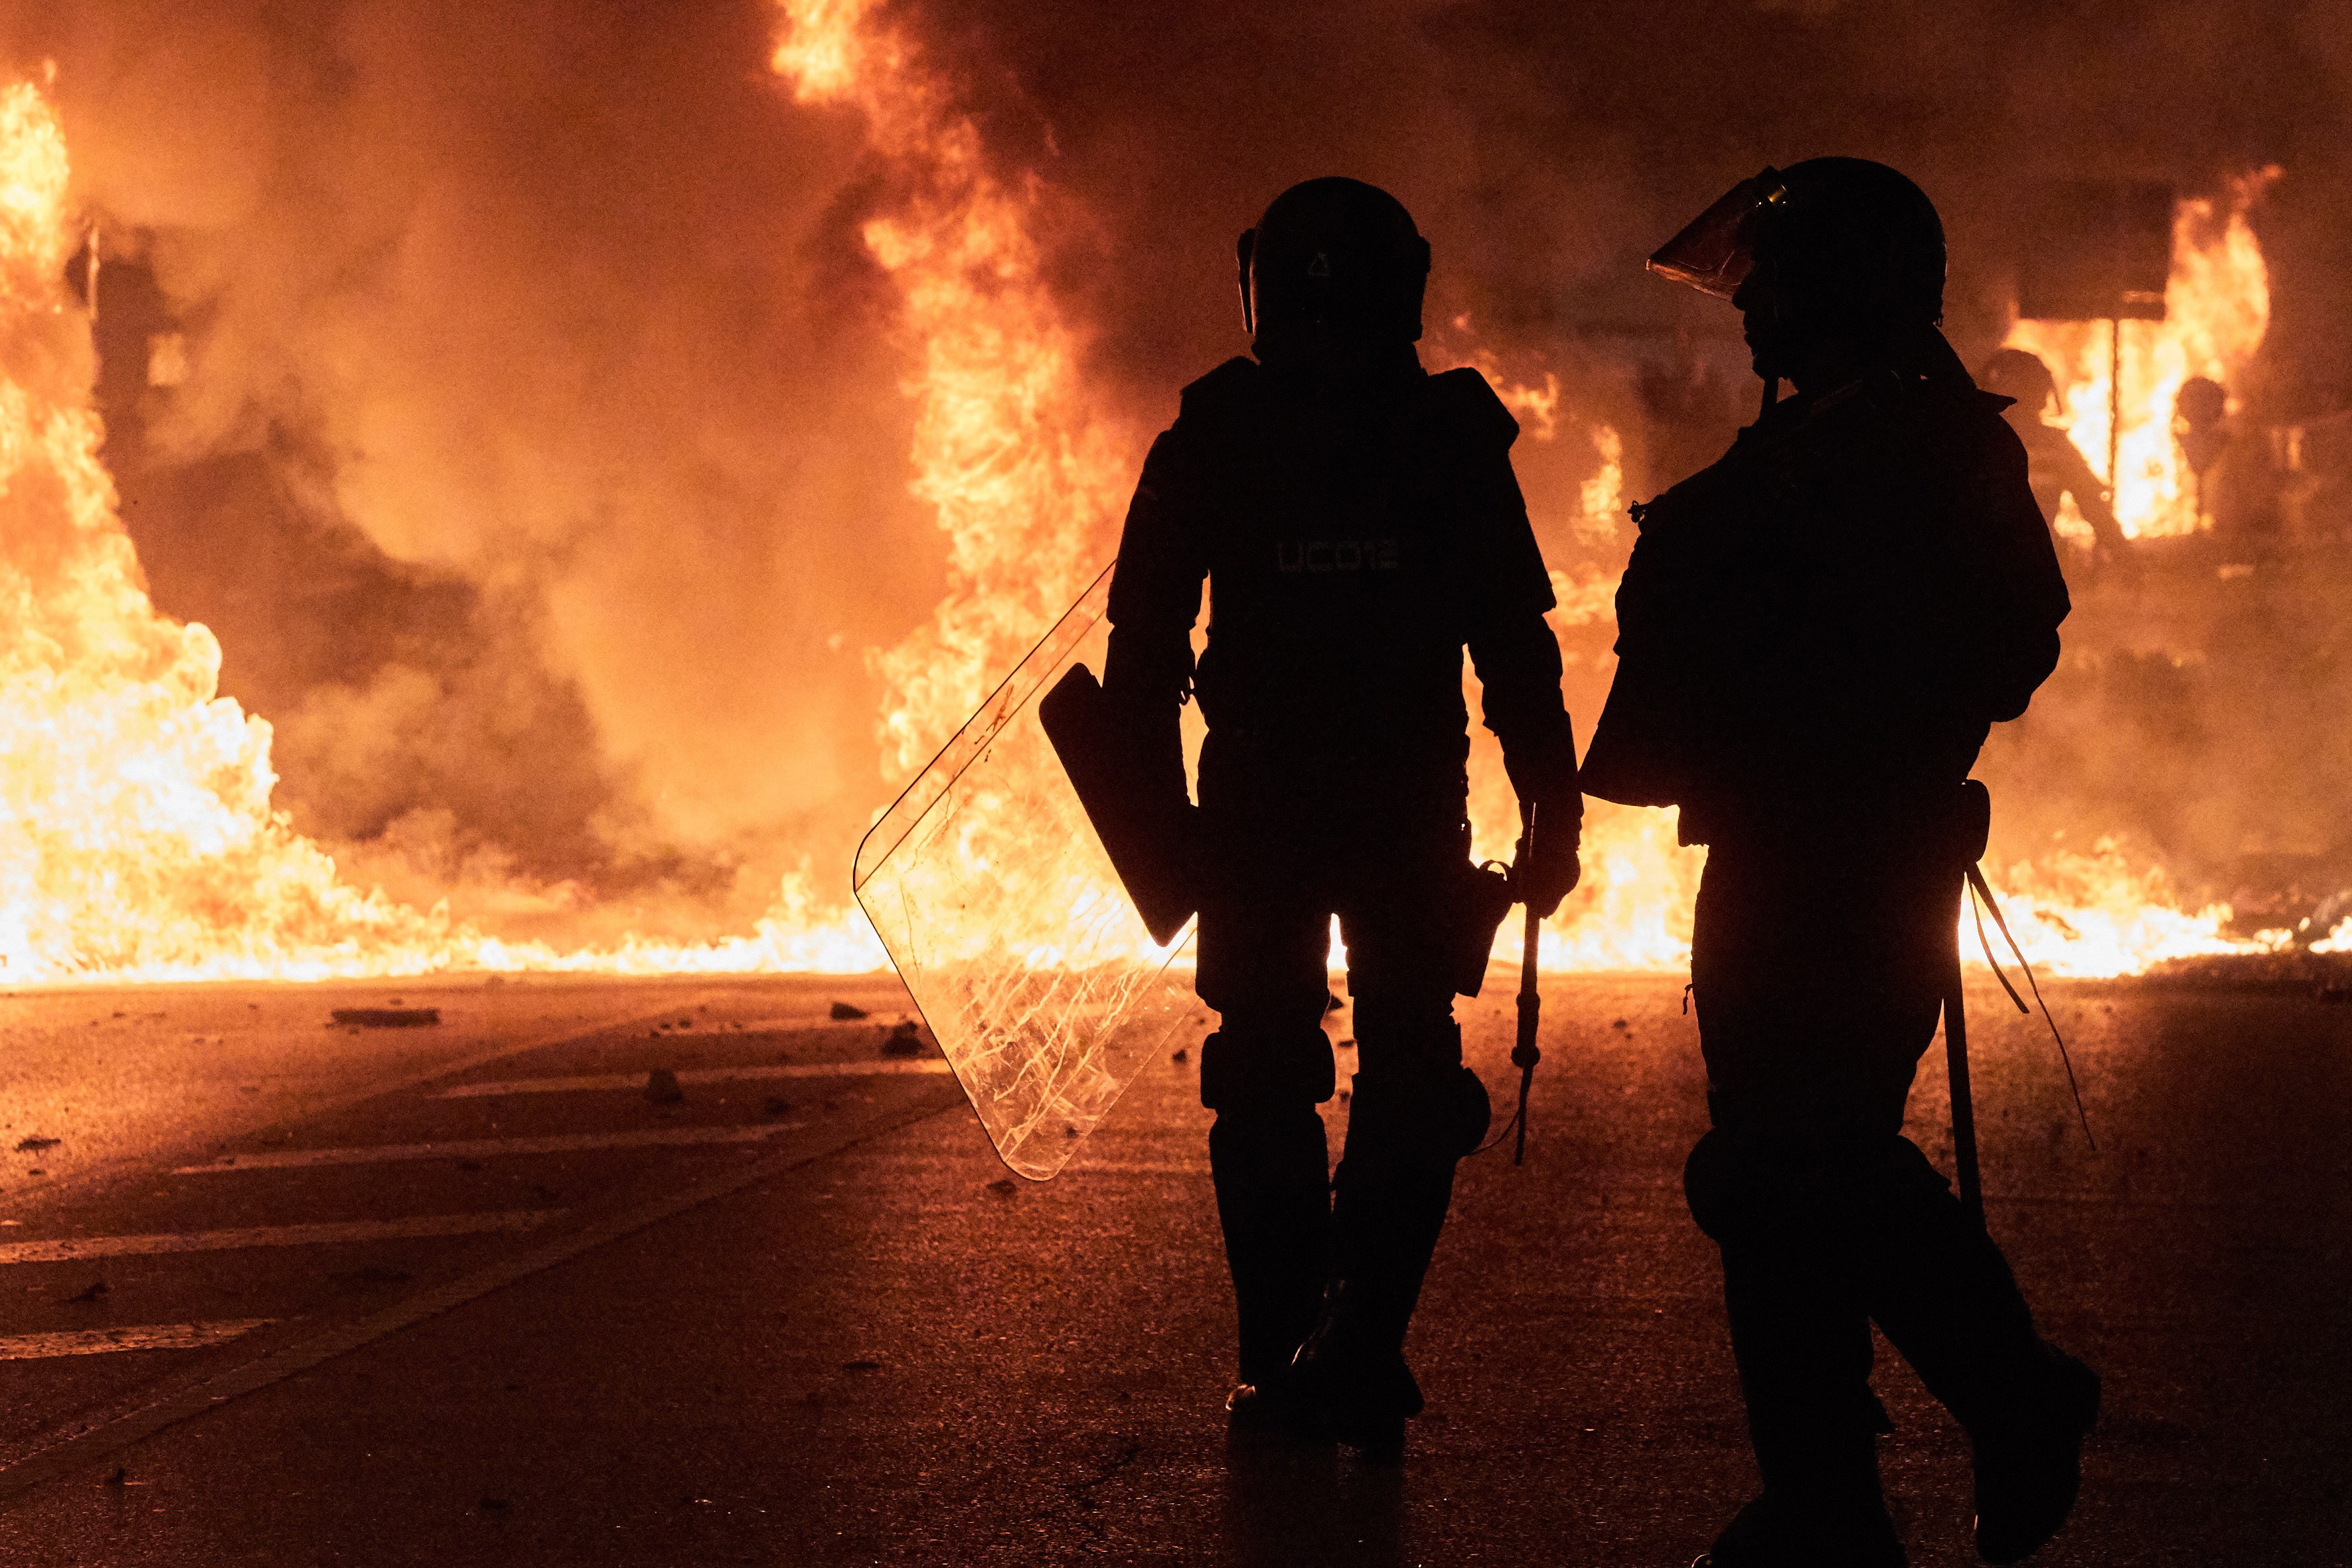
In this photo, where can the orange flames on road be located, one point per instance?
(137, 836)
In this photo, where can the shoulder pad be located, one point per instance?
(1464, 399)
(1228, 387)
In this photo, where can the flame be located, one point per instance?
(138, 840)
(2217, 307)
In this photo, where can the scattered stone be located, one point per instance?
(775, 1107)
(1004, 1186)
(90, 1292)
(861, 1367)
(842, 1012)
(386, 1017)
(905, 1039)
(1344, 1097)
(1069, 1132)
(2330, 994)
(1180, 1055)
(1347, 1045)
(661, 1087)
(1332, 1002)
(33, 1145)
(686, 1023)
(121, 1478)
(1620, 1024)
(372, 1275)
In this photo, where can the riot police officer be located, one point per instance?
(1357, 522)
(1815, 635)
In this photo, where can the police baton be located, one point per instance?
(1525, 1054)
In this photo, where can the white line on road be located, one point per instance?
(148, 1337)
(486, 1148)
(613, 1080)
(65, 1248)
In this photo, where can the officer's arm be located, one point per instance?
(1517, 661)
(1155, 596)
(1505, 593)
(2012, 580)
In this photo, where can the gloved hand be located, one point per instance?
(1549, 871)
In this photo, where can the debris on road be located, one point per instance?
(90, 1292)
(385, 1017)
(1004, 1186)
(661, 1087)
(1332, 1002)
(905, 1040)
(861, 1367)
(371, 1275)
(35, 1144)
(1179, 1054)
(776, 1106)
(843, 1013)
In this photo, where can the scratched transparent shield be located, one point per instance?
(1001, 909)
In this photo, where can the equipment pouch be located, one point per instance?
(1484, 897)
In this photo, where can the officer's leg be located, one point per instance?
(1937, 1284)
(1415, 1111)
(1761, 1186)
(1262, 966)
(1801, 1339)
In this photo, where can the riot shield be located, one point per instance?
(998, 904)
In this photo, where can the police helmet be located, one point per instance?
(1844, 236)
(1333, 258)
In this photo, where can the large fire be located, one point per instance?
(139, 841)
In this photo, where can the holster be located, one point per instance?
(1484, 897)
(1970, 825)
(1148, 832)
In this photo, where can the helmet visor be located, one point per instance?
(1717, 250)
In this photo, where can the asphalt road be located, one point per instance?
(280, 1292)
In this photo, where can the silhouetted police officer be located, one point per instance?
(1357, 522)
(1815, 635)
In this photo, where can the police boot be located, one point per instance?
(1945, 1295)
(1801, 1339)
(1777, 1531)
(1270, 1160)
(1405, 1135)
(2030, 1468)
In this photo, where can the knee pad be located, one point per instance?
(1716, 1182)
(1270, 1070)
(1431, 1117)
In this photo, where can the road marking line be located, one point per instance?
(148, 1337)
(59, 1452)
(486, 1148)
(891, 1067)
(67, 1248)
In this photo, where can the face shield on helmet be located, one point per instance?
(1716, 251)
